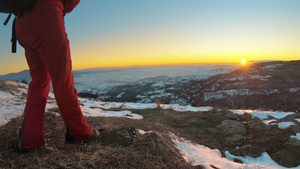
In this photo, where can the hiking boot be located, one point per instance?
(95, 136)
(71, 140)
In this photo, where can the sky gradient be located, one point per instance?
(113, 33)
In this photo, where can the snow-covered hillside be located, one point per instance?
(12, 102)
(268, 85)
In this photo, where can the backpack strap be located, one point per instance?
(28, 7)
(14, 37)
(7, 19)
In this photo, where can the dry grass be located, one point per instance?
(148, 151)
(155, 150)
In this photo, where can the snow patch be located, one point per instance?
(285, 125)
(271, 67)
(220, 94)
(200, 155)
(264, 161)
(176, 107)
(294, 89)
(263, 78)
(297, 136)
(10, 107)
(270, 122)
(179, 108)
(264, 114)
(10, 111)
(92, 109)
(5, 95)
(142, 132)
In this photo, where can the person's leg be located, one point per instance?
(42, 34)
(53, 47)
(32, 130)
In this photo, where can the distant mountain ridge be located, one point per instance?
(19, 76)
(268, 85)
(97, 81)
(273, 85)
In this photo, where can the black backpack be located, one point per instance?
(15, 7)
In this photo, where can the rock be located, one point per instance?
(289, 117)
(295, 128)
(231, 127)
(235, 140)
(292, 143)
(248, 150)
(238, 160)
(258, 125)
(214, 130)
(231, 116)
(245, 117)
(248, 115)
(123, 136)
(285, 158)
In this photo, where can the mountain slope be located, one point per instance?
(269, 85)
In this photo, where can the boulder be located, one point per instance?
(293, 143)
(285, 158)
(248, 150)
(231, 127)
(235, 140)
(258, 125)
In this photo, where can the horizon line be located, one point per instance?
(158, 65)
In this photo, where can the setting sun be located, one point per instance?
(243, 60)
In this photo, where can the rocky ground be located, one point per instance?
(239, 134)
(217, 129)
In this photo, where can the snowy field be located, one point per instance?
(12, 105)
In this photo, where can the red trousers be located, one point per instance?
(42, 34)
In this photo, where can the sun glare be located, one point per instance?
(243, 60)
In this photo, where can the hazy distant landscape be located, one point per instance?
(102, 80)
(272, 85)
(97, 80)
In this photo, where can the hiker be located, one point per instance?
(42, 34)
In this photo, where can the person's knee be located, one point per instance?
(41, 80)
